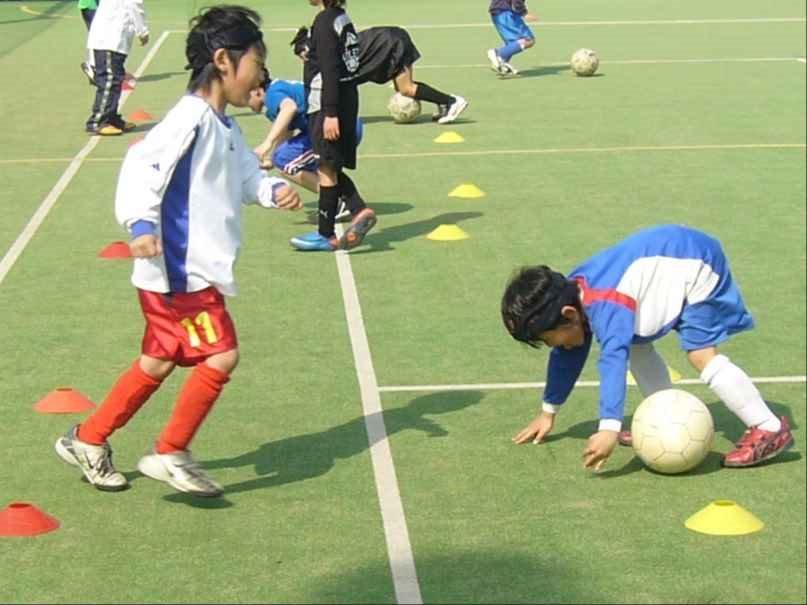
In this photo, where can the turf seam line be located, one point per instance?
(548, 150)
(399, 548)
(494, 386)
(30, 229)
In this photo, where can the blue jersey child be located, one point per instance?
(287, 145)
(508, 18)
(657, 280)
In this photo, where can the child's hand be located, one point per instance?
(144, 39)
(264, 162)
(598, 449)
(531, 18)
(330, 128)
(145, 246)
(536, 430)
(287, 198)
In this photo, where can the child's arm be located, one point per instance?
(138, 15)
(279, 130)
(268, 191)
(327, 44)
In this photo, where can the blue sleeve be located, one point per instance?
(563, 370)
(613, 327)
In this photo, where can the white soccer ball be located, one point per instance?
(403, 109)
(672, 431)
(584, 62)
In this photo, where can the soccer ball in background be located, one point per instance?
(585, 62)
(672, 431)
(403, 109)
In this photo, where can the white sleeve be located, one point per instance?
(138, 14)
(148, 168)
(258, 187)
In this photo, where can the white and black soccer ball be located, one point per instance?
(585, 62)
(672, 431)
(403, 110)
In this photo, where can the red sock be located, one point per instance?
(195, 400)
(129, 393)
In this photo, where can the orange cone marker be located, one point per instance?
(115, 250)
(24, 519)
(141, 115)
(64, 400)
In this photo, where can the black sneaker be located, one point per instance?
(441, 112)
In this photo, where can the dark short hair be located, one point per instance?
(233, 28)
(533, 300)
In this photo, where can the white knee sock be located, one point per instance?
(736, 390)
(649, 369)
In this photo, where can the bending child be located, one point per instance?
(660, 279)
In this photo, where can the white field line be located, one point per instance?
(399, 548)
(539, 151)
(17, 248)
(488, 24)
(802, 60)
(627, 62)
(498, 386)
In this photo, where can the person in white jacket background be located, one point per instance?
(180, 194)
(113, 28)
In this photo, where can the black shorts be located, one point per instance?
(385, 53)
(340, 153)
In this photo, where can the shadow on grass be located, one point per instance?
(382, 241)
(161, 76)
(308, 456)
(457, 573)
(423, 118)
(381, 209)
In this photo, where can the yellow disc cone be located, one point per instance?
(467, 190)
(447, 233)
(724, 518)
(449, 137)
(674, 377)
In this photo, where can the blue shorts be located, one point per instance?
(712, 321)
(511, 26)
(297, 153)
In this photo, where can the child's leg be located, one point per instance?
(127, 396)
(328, 198)
(405, 84)
(196, 399)
(735, 389)
(348, 192)
(649, 369)
(109, 74)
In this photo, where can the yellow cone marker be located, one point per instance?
(724, 518)
(449, 137)
(467, 190)
(447, 233)
(675, 376)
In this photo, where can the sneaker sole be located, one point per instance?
(354, 235)
(784, 448)
(68, 457)
(166, 477)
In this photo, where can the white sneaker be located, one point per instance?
(509, 69)
(95, 461)
(181, 472)
(454, 111)
(495, 61)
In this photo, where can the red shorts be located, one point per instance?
(186, 328)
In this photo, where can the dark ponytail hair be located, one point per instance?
(533, 300)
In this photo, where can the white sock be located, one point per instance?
(736, 390)
(649, 369)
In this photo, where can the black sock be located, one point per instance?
(427, 93)
(348, 191)
(328, 202)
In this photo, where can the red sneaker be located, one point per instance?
(625, 438)
(756, 446)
